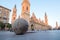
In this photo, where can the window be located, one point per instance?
(5, 15)
(4, 21)
(4, 18)
(0, 11)
(14, 18)
(26, 8)
(0, 17)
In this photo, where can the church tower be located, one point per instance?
(46, 19)
(39, 20)
(14, 14)
(25, 10)
(18, 17)
(56, 25)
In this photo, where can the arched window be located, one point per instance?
(14, 18)
(32, 27)
(27, 8)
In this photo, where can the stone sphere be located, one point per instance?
(20, 26)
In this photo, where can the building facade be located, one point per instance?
(14, 15)
(4, 14)
(25, 14)
(34, 23)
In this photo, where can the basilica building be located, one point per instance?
(34, 23)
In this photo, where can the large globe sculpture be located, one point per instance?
(20, 26)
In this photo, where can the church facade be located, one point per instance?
(34, 23)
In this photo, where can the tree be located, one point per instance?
(8, 25)
(2, 26)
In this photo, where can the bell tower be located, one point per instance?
(46, 19)
(56, 25)
(25, 10)
(14, 14)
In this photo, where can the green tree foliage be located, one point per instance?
(2, 26)
(8, 25)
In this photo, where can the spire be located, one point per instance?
(14, 14)
(33, 15)
(56, 24)
(15, 5)
(14, 9)
(45, 14)
(46, 19)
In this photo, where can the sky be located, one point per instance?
(39, 7)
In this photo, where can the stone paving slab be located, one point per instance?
(41, 35)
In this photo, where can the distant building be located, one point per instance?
(56, 25)
(14, 15)
(34, 23)
(39, 24)
(46, 19)
(4, 14)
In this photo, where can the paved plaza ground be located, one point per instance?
(39, 35)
